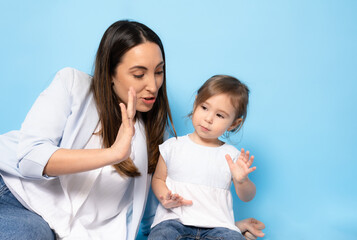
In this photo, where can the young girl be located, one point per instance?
(194, 172)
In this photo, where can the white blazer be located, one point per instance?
(63, 116)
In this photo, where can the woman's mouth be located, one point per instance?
(149, 100)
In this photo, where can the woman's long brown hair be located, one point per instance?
(120, 37)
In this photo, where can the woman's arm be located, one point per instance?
(245, 188)
(161, 191)
(67, 161)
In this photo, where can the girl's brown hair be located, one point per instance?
(224, 84)
(120, 37)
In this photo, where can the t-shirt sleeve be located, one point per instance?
(166, 149)
(233, 152)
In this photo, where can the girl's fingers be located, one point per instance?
(174, 197)
(168, 195)
(242, 152)
(229, 160)
(186, 202)
(249, 236)
(246, 157)
(250, 170)
(250, 162)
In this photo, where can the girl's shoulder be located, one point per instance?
(231, 150)
(174, 142)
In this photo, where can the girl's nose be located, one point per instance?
(209, 117)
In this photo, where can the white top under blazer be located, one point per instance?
(201, 174)
(75, 205)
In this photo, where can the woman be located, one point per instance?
(80, 167)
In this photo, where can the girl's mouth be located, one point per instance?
(204, 129)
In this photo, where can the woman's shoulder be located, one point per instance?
(73, 78)
(72, 73)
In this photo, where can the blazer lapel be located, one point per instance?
(85, 126)
(141, 182)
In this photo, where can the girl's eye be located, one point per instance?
(203, 107)
(220, 115)
(138, 76)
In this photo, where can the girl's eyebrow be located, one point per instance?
(224, 112)
(219, 110)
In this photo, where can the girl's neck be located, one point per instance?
(215, 142)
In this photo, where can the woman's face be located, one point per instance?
(142, 67)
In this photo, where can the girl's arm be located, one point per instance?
(245, 188)
(67, 161)
(161, 191)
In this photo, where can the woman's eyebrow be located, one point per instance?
(145, 68)
(160, 64)
(139, 67)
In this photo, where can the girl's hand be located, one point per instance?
(122, 144)
(241, 168)
(251, 228)
(173, 200)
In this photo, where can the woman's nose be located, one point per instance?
(151, 85)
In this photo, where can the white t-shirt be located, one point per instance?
(105, 212)
(201, 174)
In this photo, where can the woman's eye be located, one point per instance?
(138, 76)
(159, 72)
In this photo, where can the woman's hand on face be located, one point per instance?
(173, 200)
(242, 167)
(122, 144)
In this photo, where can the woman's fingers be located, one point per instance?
(124, 115)
(131, 103)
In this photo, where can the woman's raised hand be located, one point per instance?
(173, 200)
(122, 144)
(242, 167)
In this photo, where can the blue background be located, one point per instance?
(298, 57)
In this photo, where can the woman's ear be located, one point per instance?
(235, 124)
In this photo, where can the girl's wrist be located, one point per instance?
(242, 181)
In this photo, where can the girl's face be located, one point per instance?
(142, 68)
(212, 118)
